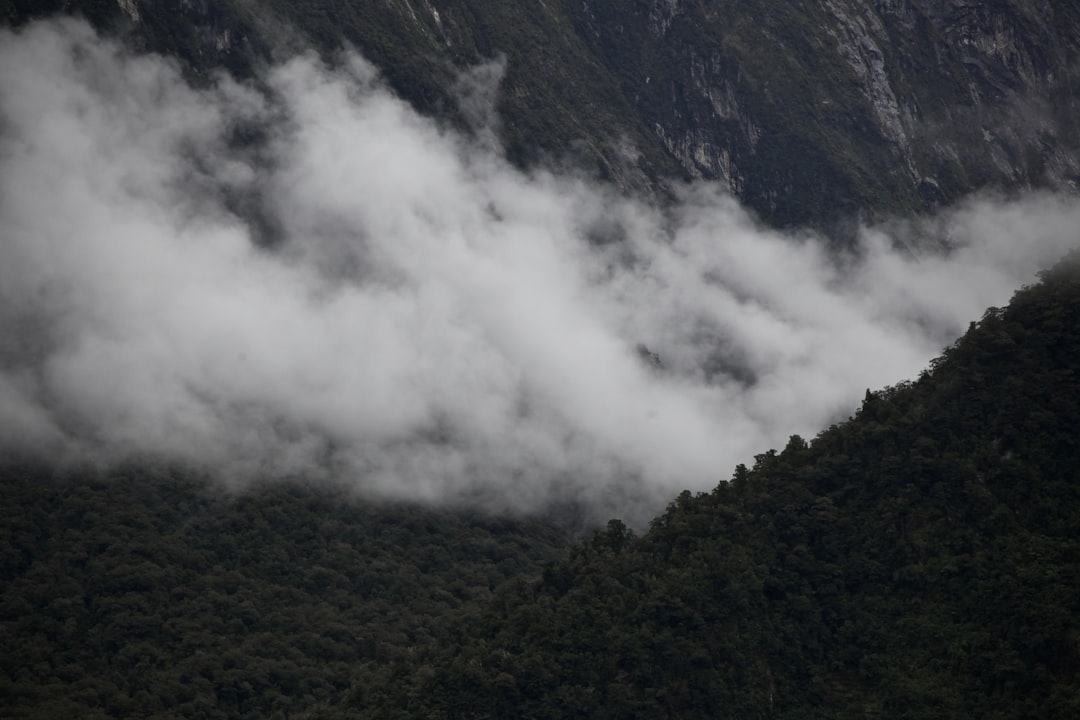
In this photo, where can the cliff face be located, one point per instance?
(817, 109)
(810, 112)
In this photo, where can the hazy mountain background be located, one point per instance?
(289, 289)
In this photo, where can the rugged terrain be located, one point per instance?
(917, 560)
(812, 113)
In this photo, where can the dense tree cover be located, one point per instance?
(149, 593)
(921, 560)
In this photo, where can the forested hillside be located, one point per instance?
(919, 560)
(149, 593)
(246, 292)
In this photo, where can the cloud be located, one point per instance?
(314, 280)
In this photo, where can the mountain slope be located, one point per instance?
(919, 560)
(150, 592)
(811, 113)
(827, 108)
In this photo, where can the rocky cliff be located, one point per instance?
(811, 112)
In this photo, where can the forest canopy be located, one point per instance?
(918, 560)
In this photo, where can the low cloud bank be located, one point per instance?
(314, 280)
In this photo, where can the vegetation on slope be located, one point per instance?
(920, 560)
(149, 593)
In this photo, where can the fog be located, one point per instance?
(311, 280)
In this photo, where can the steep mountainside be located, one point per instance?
(817, 108)
(920, 560)
(811, 112)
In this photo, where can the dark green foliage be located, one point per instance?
(148, 592)
(921, 560)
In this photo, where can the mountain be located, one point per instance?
(919, 560)
(149, 591)
(812, 113)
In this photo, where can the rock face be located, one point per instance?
(811, 112)
(814, 110)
